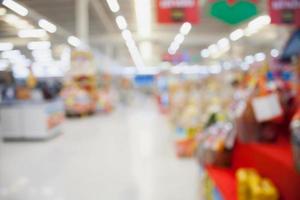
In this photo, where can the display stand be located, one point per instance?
(270, 160)
(31, 120)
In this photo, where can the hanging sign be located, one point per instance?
(285, 11)
(233, 12)
(177, 11)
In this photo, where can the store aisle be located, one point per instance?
(128, 155)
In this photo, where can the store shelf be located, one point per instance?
(224, 179)
(274, 161)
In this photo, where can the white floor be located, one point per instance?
(127, 155)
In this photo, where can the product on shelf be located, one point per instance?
(77, 101)
(215, 144)
(80, 93)
(251, 186)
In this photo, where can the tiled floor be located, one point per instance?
(127, 155)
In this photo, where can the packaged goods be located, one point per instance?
(251, 186)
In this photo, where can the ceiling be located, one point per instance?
(105, 36)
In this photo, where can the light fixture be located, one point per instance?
(258, 23)
(10, 53)
(227, 65)
(174, 46)
(143, 17)
(2, 11)
(223, 44)
(4, 64)
(171, 51)
(215, 69)
(113, 5)
(179, 38)
(274, 53)
(6, 46)
(213, 49)
(259, 57)
(135, 55)
(48, 26)
(245, 66)
(126, 34)
(205, 53)
(74, 41)
(32, 33)
(16, 7)
(236, 35)
(121, 22)
(39, 45)
(185, 28)
(249, 59)
(17, 22)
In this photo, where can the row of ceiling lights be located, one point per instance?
(223, 45)
(41, 50)
(179, 38)
(126, 34)
(26, 30)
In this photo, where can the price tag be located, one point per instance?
(266, 108)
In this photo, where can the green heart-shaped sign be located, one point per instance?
(233, 13)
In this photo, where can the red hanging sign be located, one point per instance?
(285, 11)
(178, 11)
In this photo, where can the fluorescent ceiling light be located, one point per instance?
(227, 65)
(39, 45)
(249, 59)
(121, 22)
(16, 7)
(260, 21)
(237, 34)
(260, 57)
(250, 31)
(32, 33)
(215, 69)
(3, 64)
(174, 46)
(136, 56)
(48, 26)
(17, 22)
(2, 11)
(205, 53)
(224, 44)
(143, 17)
(171, 51)
(74, 41)
(245, 66)
(113, 5)
(213, 49)
(126, 34)
(179, 38)
(275, 53)
(185, 28)
(6, 46)
(11, 53)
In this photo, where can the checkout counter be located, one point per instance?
(31, 120)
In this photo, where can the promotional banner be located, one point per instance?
(285, 12)
(178, 11)
(233, 12)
